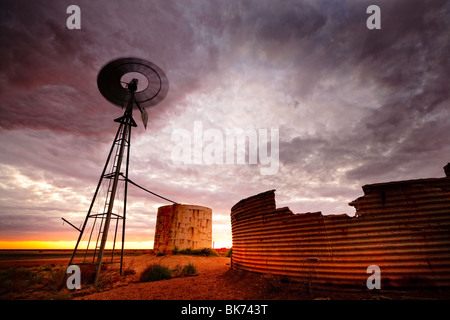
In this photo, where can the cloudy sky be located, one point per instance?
(352, 106)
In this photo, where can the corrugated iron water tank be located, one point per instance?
(402, 227)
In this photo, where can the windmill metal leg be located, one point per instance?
(127, 123)
(125, 199)
(93, 199)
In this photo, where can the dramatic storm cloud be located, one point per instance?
(352, 106)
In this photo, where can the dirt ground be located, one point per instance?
(214, 281)
(210, 283)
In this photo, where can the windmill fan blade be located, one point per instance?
(144, 117)
(110, 85)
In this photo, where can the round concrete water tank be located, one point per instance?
(183, 226)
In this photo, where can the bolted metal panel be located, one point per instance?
(402, 227)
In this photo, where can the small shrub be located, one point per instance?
(229, 253)
(177, 270)
(189, 270)
(155, 272)
(87, 272)
(128, 272)
(14, 279)
(185, 271)
(175, 250)
(47, 267)
(206, 252)
(54, 278)
(128, 269)
(160, 254)
(185, 252)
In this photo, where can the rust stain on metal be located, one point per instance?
(403, 227)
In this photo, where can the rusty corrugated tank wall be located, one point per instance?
(402, 227)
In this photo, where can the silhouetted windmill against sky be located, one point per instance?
(110, 198)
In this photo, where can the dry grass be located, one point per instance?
(37, 282)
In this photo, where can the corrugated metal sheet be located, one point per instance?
(402, 227)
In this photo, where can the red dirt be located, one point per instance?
(215, 281)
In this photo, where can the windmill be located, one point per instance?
(129, 83)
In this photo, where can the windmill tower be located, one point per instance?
(130, 83)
